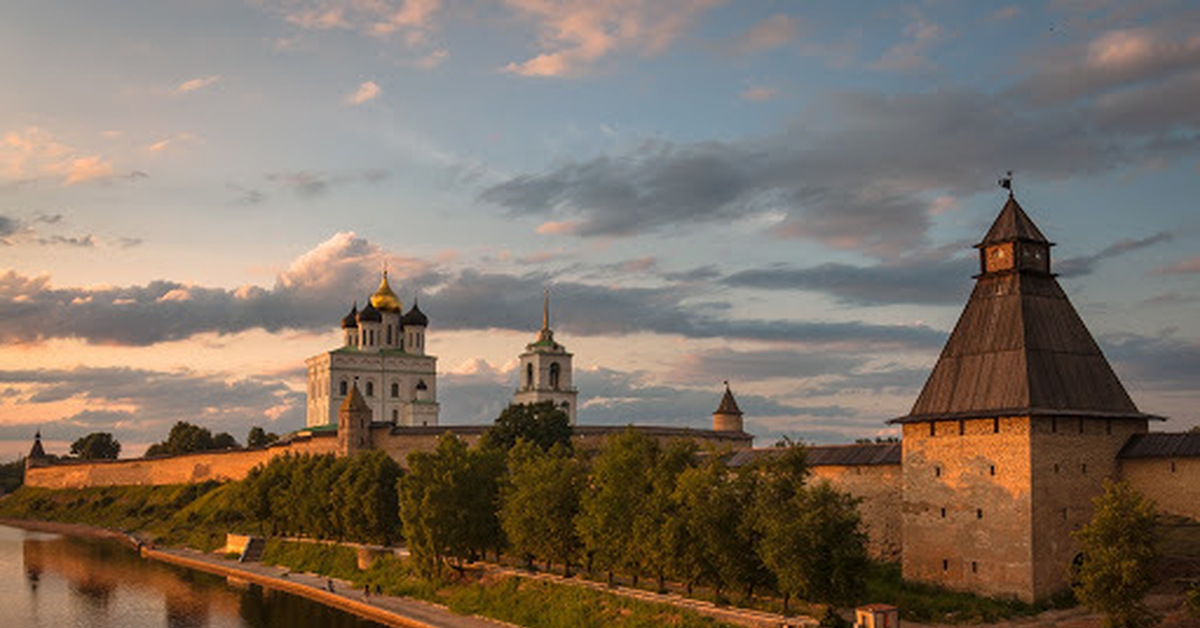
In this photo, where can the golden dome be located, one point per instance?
(384, 299)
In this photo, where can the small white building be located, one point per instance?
(545, 370)
(384, 352)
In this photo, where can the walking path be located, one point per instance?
(388, 610)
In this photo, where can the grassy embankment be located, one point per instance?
(199, 515)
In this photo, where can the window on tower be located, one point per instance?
(555, 371)
(370, 389)
(395, 389)
(529, 375)
(342, 388)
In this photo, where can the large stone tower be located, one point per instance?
(1015, 430)
(546, 370)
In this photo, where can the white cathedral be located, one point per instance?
(384, 355)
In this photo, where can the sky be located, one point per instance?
(783, 195)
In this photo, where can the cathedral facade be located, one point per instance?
(383, 354)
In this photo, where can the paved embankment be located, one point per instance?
(385, 609)
(388, 610)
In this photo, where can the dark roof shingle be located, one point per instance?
(1162, 445)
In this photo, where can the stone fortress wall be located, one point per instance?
(1173, 483)
(880, 488)
(397, 442)
(219, 466)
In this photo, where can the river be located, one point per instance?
(52, 581)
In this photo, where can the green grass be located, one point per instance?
(927, 603)
(522, 601)
(195, 515)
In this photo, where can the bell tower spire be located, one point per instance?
(546, 369)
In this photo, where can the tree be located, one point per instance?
(367, 505)
(540, 423)
(814, 545)
(616, 491)
(12, 475)
(96, 446)
(258, 437)
(657, 537)
(448, 503)
(187, 438)
(540, 503)
(1119, 551)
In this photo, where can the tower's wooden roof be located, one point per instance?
(1019, 348)
(1013, 224)
(728, 403)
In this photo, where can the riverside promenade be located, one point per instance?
(399, 612)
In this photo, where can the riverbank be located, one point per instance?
(387, 610)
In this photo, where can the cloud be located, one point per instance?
(1004, 14)
(715, 365)
(367, 90)
(758, 94)
(316, 289)
(622, 398)
(309, 184)
(35, 153)
(777, 30)
(16, 231)
(1188, 266)
(912, 53)
(381, 18)
(865, 172)
(926, 282)
(140, 405)
(1085, 265)
(174, 141)
(310, 295)
(432, 60)
(1128, 60)
(196, 84)
(578, 33)
(8, 227)
(86, 241)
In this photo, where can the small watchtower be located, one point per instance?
(354, 423)
(728, 417)
(37, 454)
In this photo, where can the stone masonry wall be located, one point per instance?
(967, 505)
(880, 487)
(1173, 483)
(198, 467)
(1071, 459)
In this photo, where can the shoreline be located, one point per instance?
(392, 611)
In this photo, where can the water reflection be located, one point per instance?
(72, 582)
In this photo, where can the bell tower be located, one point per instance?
(545, 370)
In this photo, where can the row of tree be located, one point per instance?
(184, 438)
(324, 497)
(638, 508)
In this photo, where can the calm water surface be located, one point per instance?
(50, 581)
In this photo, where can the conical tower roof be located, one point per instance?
(1013, 224)
(728, 403)
(1020, 348)
(354, 402)
(36, 452)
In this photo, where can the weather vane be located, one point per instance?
(1006, 182)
